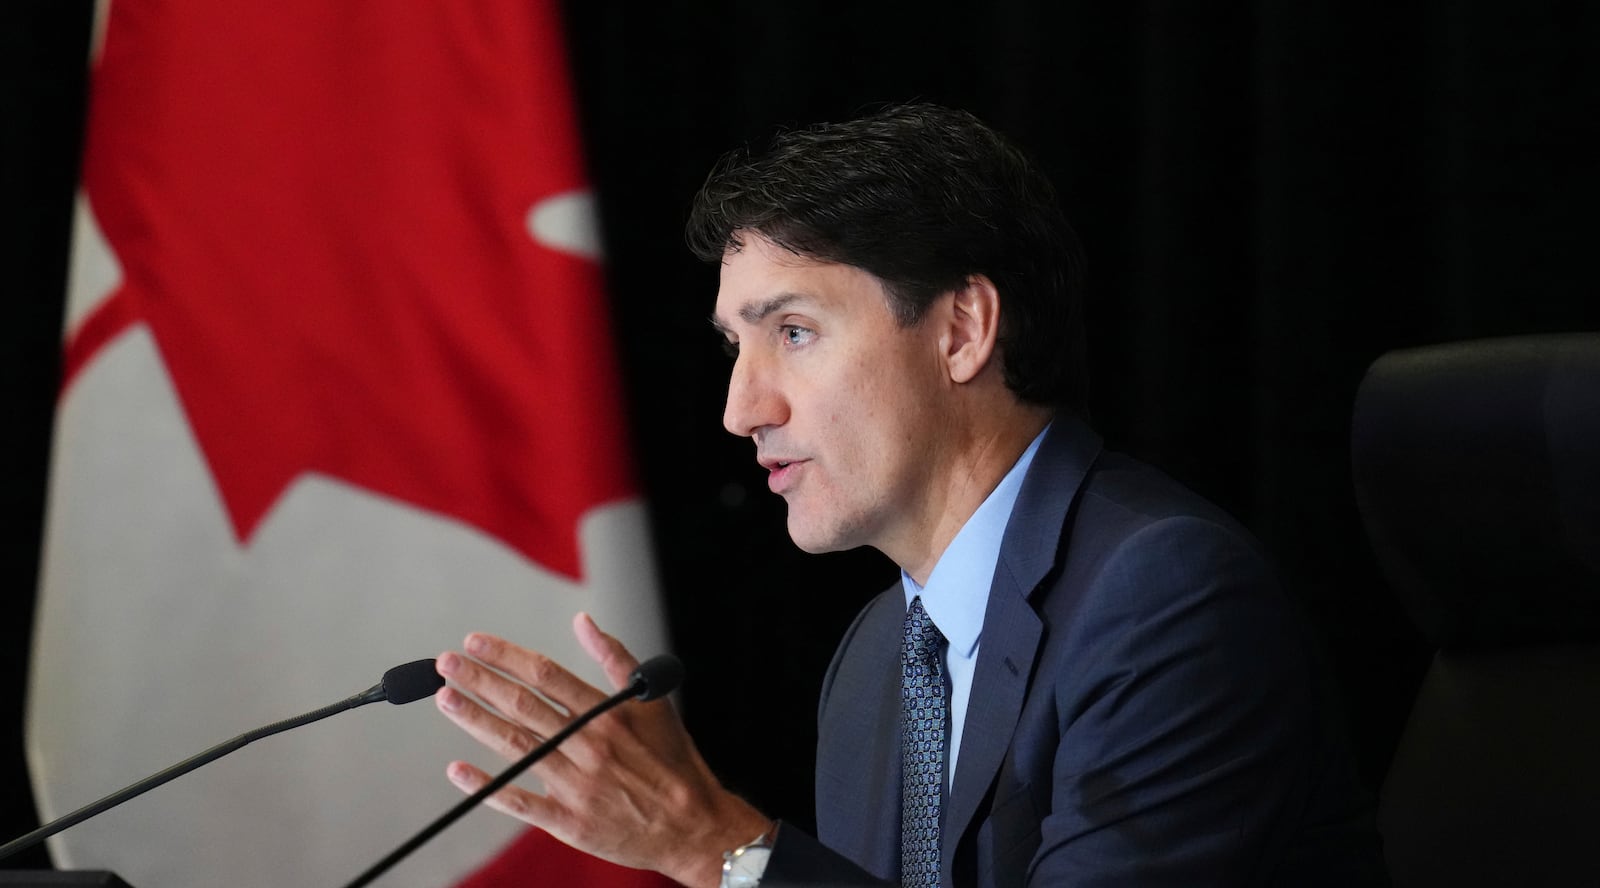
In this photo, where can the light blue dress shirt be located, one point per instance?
(957, 593)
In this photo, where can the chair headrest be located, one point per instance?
(1477, 472)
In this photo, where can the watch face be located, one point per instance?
(743, 868)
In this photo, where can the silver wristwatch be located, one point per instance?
(743, 866)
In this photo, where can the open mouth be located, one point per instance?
(781, 474)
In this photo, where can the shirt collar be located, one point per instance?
(957, 593)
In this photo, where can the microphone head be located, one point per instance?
(411, 681)
(657, 677)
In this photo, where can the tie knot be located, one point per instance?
(922, 638)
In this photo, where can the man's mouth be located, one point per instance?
(782, 473)
(772, 464)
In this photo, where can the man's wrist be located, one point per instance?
(727, 823)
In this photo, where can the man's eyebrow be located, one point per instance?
(753, 312)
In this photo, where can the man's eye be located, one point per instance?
(730, 348)
(793, 335)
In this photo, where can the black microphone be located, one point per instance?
(402, 684)
(655, 678)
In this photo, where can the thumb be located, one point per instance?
(614, 659)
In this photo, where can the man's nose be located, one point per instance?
(754, 401)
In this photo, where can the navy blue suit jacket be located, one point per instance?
(1146, 709)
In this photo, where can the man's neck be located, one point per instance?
(960, 486)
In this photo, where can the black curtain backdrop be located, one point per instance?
(1271, 195)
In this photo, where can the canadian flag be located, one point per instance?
(339, 389)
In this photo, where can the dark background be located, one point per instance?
(1270, 194)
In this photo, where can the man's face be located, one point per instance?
(843, 403)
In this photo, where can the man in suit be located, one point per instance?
(1087, 676)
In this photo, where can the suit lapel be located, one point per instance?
(1012, 630)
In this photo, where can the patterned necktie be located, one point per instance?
(924, 720)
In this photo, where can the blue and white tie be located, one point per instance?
(924, 724)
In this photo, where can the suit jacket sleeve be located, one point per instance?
(798, 859)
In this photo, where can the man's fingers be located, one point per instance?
(510, 741)
(529, 807)
(511, 699)
(512, 718)
(535, 670)
(614, 659)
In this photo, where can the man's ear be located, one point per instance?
(973, 328)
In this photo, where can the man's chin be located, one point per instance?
(810, 546)
(815, 540)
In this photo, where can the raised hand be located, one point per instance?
(630, 787)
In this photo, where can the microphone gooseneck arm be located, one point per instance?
(654, 678)
(406, 675)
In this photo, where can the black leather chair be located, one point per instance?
(1477, 472)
